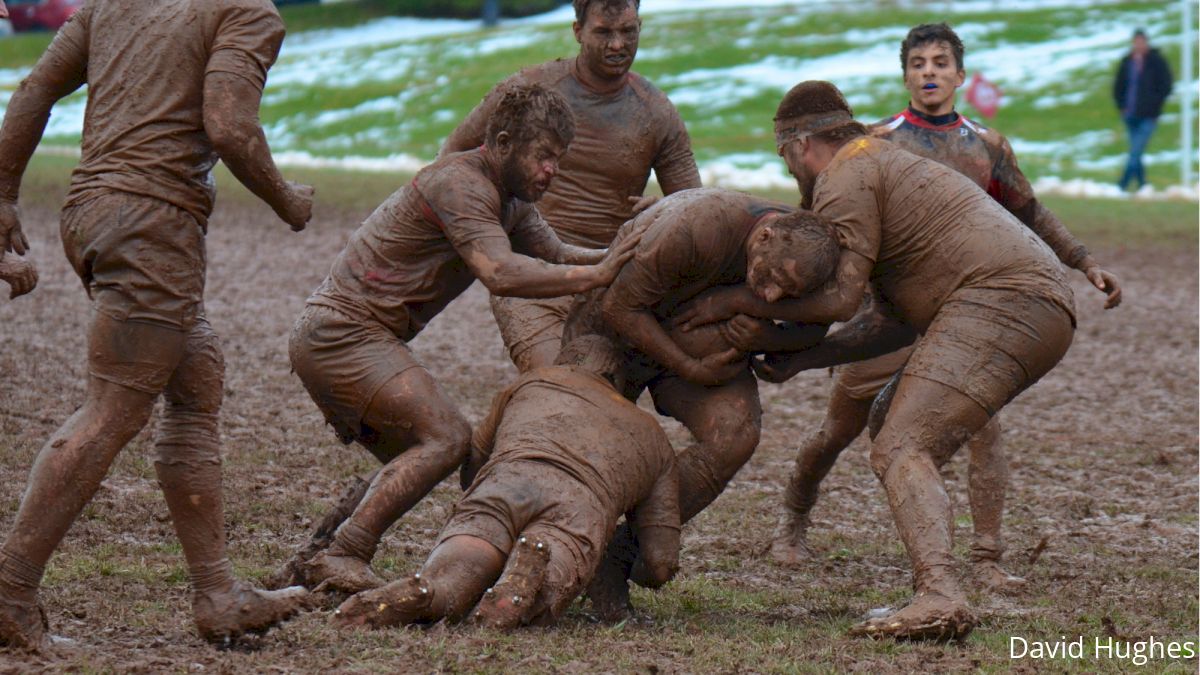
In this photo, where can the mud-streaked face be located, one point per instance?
(608, 41)
(932, 76)
(770, 274)
(530, 167)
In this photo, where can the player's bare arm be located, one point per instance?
(231, 123)
(870, 333)
(641, 329)
(540, 241)
(507, 273)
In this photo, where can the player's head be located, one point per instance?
(791, 255)
(596, 354)
(812, 112)
(529, 132)
(607, 32)
(932, 59)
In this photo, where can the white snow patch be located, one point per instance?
(1082, 187)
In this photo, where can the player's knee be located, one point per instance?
(883, 454)
(653, 570)
(737, 435)
(454, 437)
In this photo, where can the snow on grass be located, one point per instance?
(382, 95)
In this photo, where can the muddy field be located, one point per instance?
(1104, 498)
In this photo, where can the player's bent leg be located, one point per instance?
(512, 601)
(844, 421)
(410, 402)
(188, 465)
(927, 420)
(70, 467)
(987, 483)
(452, 579)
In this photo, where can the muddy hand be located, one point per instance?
(714, 306)
(297, 208)
(618, 255)
(20, 274)
(778, 368)
(744, 332)
(12, 239)
(1108, 283)
(642, 203)
(716, 368)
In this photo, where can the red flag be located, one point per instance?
(984, 95)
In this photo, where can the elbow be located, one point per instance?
(228, 138)
(499, 283)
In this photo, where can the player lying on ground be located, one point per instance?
(467, 216)
(694, 240)
(559, 458)
(931, 57)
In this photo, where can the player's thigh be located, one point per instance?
(727, 412)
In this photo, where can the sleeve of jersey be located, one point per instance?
(467, 208)
(848, 194)
(657, 267)
(1011, 188)
(247, 41)
(675, 165)
(68, 51)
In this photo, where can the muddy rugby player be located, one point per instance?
(988, 298)
(558, 459)
(170, 89)
(625, 128)
(695, 240)
(931, 57)
(467, 216)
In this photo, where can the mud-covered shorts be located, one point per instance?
(142, 262)
(862, 380)
(527, 322)
(991, 344)
(523, 497)
(343, 363)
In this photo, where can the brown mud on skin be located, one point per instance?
(625, 128)
(1109, 481)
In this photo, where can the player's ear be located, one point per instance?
(578, 31)
(962, 78)
(503, 143)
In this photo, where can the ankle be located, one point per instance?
(212, 578)
(19, 579)
(353, 541)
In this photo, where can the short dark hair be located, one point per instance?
(817, 96)
(931, 32)
(811, 236)
(582, 6)
(1140, 33)
(527, 111)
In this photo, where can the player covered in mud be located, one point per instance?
(625, 127)
(695, 240)
(988, 298)
(172, 87)
(467, 216)
(559, 458)
(932, 60)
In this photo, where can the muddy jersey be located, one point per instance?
(695, 240)
(403, 264)
(930, 231)
(619, 137)
(144, 62)
(574, 420)
(985, 156)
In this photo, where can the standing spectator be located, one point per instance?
(1142, 85)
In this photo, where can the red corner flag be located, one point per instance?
(983, 95)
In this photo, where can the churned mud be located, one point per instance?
(1101, 517)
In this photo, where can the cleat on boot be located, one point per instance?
(930, 616)
(504, 606)
(23, 626)
(222, 618)
(400, 602)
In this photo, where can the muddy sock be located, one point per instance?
(189, 472)
(19, 579)
(354, 541)
(211, 578)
